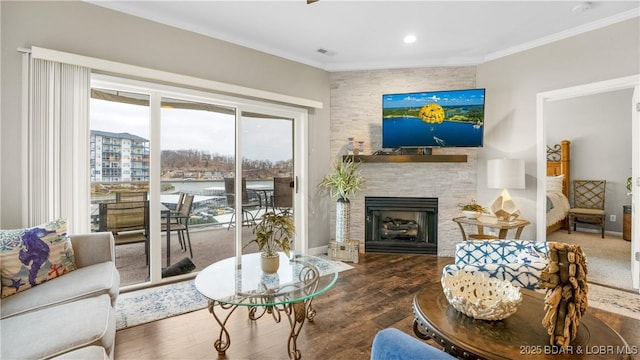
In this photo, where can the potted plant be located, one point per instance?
(342, 182)
(274, 232)
(472, 209)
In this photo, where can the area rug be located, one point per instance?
(615, 301)
(160, 302)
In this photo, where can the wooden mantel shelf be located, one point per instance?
(397, 158)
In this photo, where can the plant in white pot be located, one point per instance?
(472, 209)
(274, 232)
(342, 182)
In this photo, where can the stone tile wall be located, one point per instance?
(356, 111)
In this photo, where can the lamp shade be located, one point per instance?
(505, 174)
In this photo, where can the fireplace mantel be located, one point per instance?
(402, 158)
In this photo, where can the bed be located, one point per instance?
(558, 177)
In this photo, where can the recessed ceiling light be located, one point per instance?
(409, 39)
(580, 8)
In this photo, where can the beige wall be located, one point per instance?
(86, 29)
(512, 83)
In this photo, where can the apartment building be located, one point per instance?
(118, 157)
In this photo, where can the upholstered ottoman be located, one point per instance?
(56, 330)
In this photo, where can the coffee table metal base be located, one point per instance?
(296, 313)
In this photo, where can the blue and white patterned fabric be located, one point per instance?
(518, 261)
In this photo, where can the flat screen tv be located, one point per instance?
(448, 118)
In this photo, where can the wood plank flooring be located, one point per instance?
(376, 294)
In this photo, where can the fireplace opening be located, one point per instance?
(401, 225)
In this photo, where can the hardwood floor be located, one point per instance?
(376, 294)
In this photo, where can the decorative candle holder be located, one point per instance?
(350, 146)
(360, 147)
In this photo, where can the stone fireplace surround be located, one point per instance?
(451, 183)
(356, 110)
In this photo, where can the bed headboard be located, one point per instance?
(558, 160)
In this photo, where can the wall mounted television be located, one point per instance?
(448, 118)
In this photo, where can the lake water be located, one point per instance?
(213, 187)
(411, 131)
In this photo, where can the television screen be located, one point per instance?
(448, 118)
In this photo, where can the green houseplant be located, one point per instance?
(342, 182)
(472, 209)
(274, 232)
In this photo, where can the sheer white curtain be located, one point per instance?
(56, 143)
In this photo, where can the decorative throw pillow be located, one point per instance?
(554, 183)
(531, 255)
(31, 256)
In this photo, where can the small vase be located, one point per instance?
(270, 263)
(343, 220)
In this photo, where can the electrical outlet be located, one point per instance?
(612, 218)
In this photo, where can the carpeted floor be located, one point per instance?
(160, 302)
(608, 259)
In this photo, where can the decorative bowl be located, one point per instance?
(471, 214)
(481, 297)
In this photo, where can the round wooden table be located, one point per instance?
(520, 336)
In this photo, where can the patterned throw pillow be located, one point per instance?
(531, 255)
(31, 256)
(554, 183)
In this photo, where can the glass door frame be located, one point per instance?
(158, 91)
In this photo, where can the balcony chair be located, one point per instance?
(248, 218)
(588, 204)
(179, 222)
(125, 196)
(282, 194)
(127, 221)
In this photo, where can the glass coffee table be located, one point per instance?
(235, 282)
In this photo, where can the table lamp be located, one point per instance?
(505, 174)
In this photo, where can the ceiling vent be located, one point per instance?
(326, 52)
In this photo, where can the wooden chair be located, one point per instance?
(127, 221)
(179, 222)
(283, 194)
(588, 204)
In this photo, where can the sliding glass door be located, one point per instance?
(197, 154)
(119, 169)
(164, 175)
(267, 168)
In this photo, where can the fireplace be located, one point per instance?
(401, 225)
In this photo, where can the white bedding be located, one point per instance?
(560, 207)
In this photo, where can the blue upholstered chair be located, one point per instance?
(517, 261)
(393, 344)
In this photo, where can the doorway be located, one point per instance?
(543, 101)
